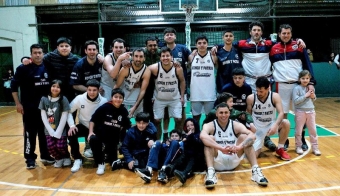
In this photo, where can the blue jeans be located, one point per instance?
(158, 150)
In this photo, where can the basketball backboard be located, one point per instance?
(176, 6)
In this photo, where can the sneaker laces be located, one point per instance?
(258, 171)
(211, 173)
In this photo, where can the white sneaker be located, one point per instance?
(76, 165)
(316, 152)
(210, 178)
(58, 163)
(258, 177)
(299, 150)
(67, 162)
(88, 153)
(101, 169)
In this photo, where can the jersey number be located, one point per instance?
(258, 106)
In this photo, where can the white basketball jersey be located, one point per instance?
(202, 85)
(107, 82)
(166, 84)
(132, 84)
(263, 113)
(106, 78)
(225, 137)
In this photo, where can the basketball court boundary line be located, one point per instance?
(336, 134)
(129, 194)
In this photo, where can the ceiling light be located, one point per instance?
(149, 19)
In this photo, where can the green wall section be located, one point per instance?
(328, 80)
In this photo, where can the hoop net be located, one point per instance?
(189, 12)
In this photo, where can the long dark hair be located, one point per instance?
(61, 96)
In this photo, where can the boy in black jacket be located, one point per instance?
(138, 141)
(108, 124)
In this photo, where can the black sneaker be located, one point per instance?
(30, 164)
(286, 145)
(180, 176)
(269, 144)
(47, 160)
(144, 174)
(304, 144)
(304, 147)
(165, 137)
(169, 170)
(117, 164)
(162, 176)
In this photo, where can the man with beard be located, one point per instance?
(136, 79)
(288, 61)
(86, 68)
(169, 90)
(263, 106)
(109, 71)
(152, 54)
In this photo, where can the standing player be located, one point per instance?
(33, 81)
(136, 79)
(86, 68)
(152, 55)
(202, 85)
(288, 61)
(263, 106)
(169, 89)
(108, 73)
(228, 60)
(180, 53)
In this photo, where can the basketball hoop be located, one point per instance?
(189, 12)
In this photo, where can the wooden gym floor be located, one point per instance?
(303, 175)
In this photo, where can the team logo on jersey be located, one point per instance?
(236, 56)
(208, 61)
(295, 47)
(230, 134)
(179, 54)
(198, 74)
(173, 75)
(219, 133)
(268, 105)
(243, 96)
(119, 118)
(45, 75)
(82, 106)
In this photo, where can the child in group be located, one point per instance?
(161, 154)
(54, 110)
(193, 157)
(303, 99)
(107, 126)
(137, 143)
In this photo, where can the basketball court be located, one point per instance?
(303, 175)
